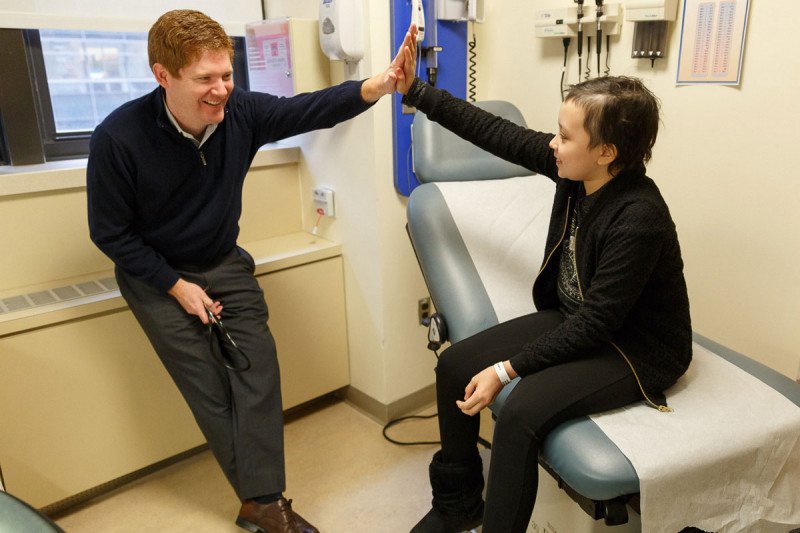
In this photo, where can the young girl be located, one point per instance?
(612, 325)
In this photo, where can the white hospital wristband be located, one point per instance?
(500, 368)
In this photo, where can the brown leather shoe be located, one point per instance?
(275, 517)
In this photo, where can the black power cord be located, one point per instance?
(598, 16)
(472, 76)
(580, 38)
(403, 418)
(565, 41)
(483, 442)
(588, 57)
(437, 336)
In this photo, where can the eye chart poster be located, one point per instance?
(712, 41)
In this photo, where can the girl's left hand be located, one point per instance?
(400, 73)
(481, 391)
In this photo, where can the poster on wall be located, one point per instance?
(712, 41)
(269, 61)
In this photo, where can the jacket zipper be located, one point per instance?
(202, 156)
(564, 232)
(662, 408)
(575, 263)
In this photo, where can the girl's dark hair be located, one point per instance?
(621, 111)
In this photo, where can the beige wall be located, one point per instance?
(46, 233)
(388, 355)
(725, 161)
(722, 161)
(82, 377)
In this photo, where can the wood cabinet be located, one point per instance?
(85, 401)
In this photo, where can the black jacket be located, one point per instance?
(627, 254)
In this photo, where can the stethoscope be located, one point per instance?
(228, 349)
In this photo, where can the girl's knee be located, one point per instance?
(518, 416)
(450, 366)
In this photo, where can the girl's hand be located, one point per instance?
(398, 76)
(481, 391)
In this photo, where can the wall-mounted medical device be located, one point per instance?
(418, 18)
(650, 18)
(460, 10)
(640, 10)
(341, 30)
(563, 22)
(445, 56)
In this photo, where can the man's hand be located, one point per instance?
(409, 63)
(398, 76)
(194, 300)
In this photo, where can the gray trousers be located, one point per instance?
(239, 413)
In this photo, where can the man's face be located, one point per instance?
(198, 96)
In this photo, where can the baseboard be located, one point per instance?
(382, 412)
(54, 510)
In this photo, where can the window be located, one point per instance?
(81, 77)
(76, 78)
(89, 74)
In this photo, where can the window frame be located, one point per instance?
(52, 145)
(56, 146)
(3, 149)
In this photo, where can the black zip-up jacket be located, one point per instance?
(157, 202)
(627, 253)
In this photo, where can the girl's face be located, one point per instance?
(575, 160)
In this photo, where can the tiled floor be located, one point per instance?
(343, 475)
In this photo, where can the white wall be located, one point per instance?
(388, 355)
(725, 160)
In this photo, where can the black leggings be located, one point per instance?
(538, 403)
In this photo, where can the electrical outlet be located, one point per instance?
(323, 201)
(424, 310)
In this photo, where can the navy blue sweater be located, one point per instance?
(156, 202)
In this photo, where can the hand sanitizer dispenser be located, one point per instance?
(340, 30)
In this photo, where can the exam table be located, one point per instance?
(479, 245)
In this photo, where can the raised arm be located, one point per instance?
(499, 136)
(397, 76)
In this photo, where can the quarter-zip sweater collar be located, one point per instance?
(210, 128)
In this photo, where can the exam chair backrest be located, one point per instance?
(441, 155)
(477, 224)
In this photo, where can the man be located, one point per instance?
(164, 185)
